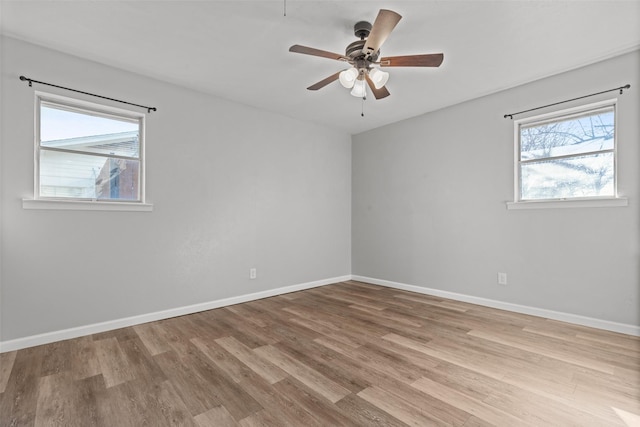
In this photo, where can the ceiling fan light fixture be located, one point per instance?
(348, 77)
(378, 77)
(362, 56)
(359, 89)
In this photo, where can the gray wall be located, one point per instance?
(429, 209)
(235, 188)
(232, 187)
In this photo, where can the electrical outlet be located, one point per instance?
(502, 279)
(253, 273)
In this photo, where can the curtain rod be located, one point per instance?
(31, 81)
(621, 88)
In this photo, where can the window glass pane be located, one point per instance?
(76, 131)
(583, 176)
(73, 175)
(577, 135)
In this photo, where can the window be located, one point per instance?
(88, 152)
(568, 155)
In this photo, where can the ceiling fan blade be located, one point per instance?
(316, 52)
(427, 60)
(378, 93)
(323, 83)
(385, 22)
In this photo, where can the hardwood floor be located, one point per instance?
(338, 355)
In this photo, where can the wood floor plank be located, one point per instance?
(350, 332)
(382, 361)
(124, 405)
(326, 361)
(475, 407)
(590, 395)
(329, 332)
(264, 418)
(141, 362)
(66, 402)
(353, 300)
(399, 408)
(55, 401)
(398, 318)
(218, 417)
(247, 336)
(306, 375)
(255, 337)
(151, 336)
(56, 358)
(436, 408)
(539, 410)
(19, 400)
(84, 359)
(628, 418)
(363, 413)
(230, 394)
(193, 389)
(86, 402)
(348, 354)
(233, 367)
(6, 365)
(323, 411)
(177, 332)
(291, 332)
(164, 401)
(249, 314)
(277, 405)
(208, 326)
(121, 334)
(550, 350)
(113, 362)
(267, 370)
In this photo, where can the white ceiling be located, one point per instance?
(238, 50)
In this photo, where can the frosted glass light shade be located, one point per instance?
(378, 77)
(348, 77)
(359, 89)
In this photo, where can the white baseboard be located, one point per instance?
(110, 325)
(533, 311)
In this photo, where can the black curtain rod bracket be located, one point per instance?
(31, 81)
(621, 88)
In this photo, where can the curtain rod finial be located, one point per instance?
(23, 78)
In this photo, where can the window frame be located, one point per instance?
(559, 115)
(76, 203)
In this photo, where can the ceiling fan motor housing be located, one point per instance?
(355, 50)
(362, 29)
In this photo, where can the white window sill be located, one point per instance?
(77, 205)
(581, 203)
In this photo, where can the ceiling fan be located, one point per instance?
(363, 56)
